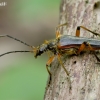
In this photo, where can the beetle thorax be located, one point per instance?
(50, 46)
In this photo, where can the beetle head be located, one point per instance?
(39, 50)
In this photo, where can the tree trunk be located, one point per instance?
(83, 69)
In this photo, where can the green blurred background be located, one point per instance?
(22, 77)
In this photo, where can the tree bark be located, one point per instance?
(83, 69)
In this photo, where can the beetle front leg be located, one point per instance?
(59, 59)
(48, 65)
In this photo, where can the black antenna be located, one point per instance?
(13, 52)
(16, 39)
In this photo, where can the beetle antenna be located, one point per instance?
(61, 25)
(15, 39)
(13, 52)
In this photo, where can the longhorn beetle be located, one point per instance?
(62, 44)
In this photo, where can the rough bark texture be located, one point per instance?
(84, 72)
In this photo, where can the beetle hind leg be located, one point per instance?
(85, 45)
(98, 59)
(90, 48)
(78, 31)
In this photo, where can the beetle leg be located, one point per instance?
(61, 25)
(47, 65)
(81, 48)
(91, 49)
(58, 31)
(59, 59)
(58, 34)
(84, 46)
(78, 31)
(98, 59)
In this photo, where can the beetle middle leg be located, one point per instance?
(59, 59)
(68, 77)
